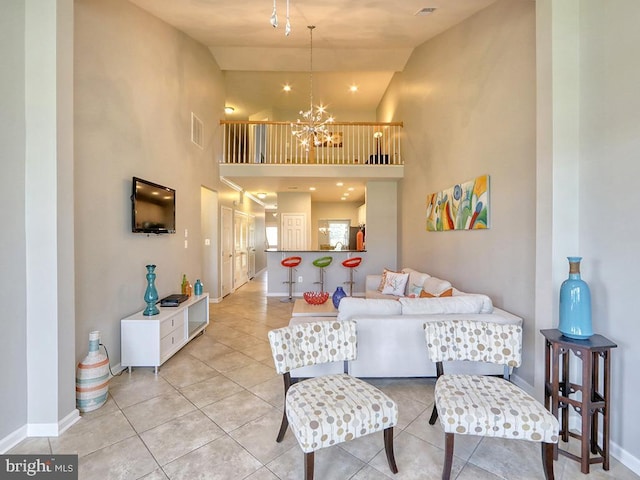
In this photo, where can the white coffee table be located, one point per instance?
(303, 309)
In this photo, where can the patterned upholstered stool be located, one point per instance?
(330, 409)
(485, 406)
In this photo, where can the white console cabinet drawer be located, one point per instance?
(172, 323)
(151, 341)
(170, 343)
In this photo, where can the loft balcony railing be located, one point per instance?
(348, 143)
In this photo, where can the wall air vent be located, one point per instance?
(197, 131)
(425, 11)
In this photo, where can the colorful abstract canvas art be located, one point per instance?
(464, 206)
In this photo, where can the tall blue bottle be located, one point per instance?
(575, 304)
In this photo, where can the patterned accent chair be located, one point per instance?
(330, 409)
(481, 405)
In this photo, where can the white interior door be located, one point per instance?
(240, 254)
(251, 246)
(226, 250)
(293, 231)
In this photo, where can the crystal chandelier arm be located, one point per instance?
(274, 15)
(287, 27)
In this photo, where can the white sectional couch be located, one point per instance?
(391, 336)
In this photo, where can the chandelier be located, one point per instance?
(312, 128)
(274, 19)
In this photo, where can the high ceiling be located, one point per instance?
(360, 43)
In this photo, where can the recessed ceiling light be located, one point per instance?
(425, 11)
(287, 88)
(261, 195)
(313, 189)
(339, 184)
(229, 110)
(351, 189)
(346, 194)
(343, 198)
(353, 88)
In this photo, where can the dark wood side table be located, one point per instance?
(588, 398)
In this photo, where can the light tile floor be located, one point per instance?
(214, 410)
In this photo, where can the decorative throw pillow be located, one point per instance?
(447, 293)
(415, 277)
(394, 283)
(414, 290)
(384, 278)
(436, 287)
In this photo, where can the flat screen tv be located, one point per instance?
(153, 208)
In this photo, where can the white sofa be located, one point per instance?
(391, 339)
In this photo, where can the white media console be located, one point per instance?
(149, 341)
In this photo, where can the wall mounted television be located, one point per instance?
(153, 208)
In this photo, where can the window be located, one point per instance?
(272, 237)
(332, 233)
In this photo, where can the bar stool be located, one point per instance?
(322, 263)
(351, 264)
(291, 263)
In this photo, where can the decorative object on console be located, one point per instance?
(315, 298)
(464, 206)
(338, 295)
(151, 294)
(92, 377)
(575, 304)
(197, 288)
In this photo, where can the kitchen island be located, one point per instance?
(306, 274)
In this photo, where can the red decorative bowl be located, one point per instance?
(315, 298)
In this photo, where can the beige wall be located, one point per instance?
(13, 341)
(609, 147)
(467, 99)
(137, 80)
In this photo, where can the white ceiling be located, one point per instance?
(363, 43)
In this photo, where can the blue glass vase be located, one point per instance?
(338, 295)
(197, 287)
(575, 304)
(151, 294)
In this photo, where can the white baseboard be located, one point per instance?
(11, 440)
(625, 458)
(53, 429)
(69, 420)
(38, 430)
(620, 454)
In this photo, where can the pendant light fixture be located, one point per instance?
(274, 19)
(312, 129)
